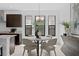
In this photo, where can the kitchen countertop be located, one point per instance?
(6, 36)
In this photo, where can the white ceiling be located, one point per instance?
(33, 6)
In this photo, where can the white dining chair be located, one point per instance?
(49, 46)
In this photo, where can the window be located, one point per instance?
(28, 25)
(52, 25)
(40, 24)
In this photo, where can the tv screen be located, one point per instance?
(13, 20)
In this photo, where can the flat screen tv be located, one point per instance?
(13, 20)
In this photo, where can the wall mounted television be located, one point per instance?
(13, 20)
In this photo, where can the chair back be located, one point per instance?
(52, 41)
(27, 42)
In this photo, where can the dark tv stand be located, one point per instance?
(17, 37)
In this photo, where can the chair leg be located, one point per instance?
(29, 52)
(48, 53)
(54, 52)
(23, 52)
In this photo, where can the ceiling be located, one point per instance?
(33, 6)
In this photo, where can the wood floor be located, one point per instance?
(19, 52)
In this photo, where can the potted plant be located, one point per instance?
(67, 27)
(37, 31)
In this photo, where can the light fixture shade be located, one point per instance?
(37, 18)
(41, 18)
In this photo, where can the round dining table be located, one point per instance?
(38, 41)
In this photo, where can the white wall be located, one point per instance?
(3, 22)
(3, 27)
(46, 13)
(61, 15)
(64, 15)
(62, 12)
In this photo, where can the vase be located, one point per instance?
(68, 31)
(36, 34)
